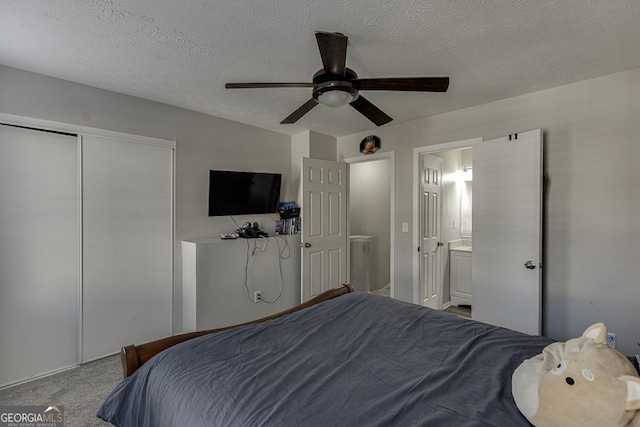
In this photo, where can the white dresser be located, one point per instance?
(220, 278)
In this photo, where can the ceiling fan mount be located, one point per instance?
(322, 76)
(336, 85)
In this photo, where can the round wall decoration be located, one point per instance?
(370, 144)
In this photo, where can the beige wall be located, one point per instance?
(308, 144)
(592, 235)
(322, 146)
(202, 143)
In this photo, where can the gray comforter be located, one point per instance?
(356, 360)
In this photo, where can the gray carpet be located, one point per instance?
(80, 390)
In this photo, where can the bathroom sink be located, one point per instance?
(464, 245)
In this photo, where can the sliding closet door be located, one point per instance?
(127, 244)
(39, 253)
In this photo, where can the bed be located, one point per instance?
(343, 359)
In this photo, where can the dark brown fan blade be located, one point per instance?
(264, 85)
(414, 84)
(295, 116)
(370, 111)
(333, 50)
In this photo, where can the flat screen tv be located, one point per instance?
(243, 193)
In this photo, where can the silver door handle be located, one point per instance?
(305, 245)
(530, 265)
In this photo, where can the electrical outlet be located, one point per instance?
(257, 296)
(611, 339)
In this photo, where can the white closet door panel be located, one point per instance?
(39, 253)
(127, 244)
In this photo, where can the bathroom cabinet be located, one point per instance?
(460, 274)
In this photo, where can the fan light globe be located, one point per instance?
(335, 98)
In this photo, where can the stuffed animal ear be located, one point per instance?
(597, 332)
(633, 392)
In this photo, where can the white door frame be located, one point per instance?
(390, 155)
(417, 152)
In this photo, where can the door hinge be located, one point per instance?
(418, 248)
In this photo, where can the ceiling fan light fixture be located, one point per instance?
(335, 94)
(335, 98)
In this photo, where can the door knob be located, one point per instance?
(530, 265)
(440, 244)
(305, 245)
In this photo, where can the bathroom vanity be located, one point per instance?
(460, 272)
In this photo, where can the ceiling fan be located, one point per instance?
(336, 85)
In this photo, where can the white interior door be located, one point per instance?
(324, 226)
(507, 231)
(430, 244)
(39, 253)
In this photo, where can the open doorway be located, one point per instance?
(449, 221)
(506, 244)
(371, 201)
(457, 230)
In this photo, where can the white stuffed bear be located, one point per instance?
(580, 383)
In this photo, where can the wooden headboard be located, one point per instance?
(133, 356)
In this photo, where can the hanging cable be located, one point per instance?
(246, 273)
(255, 245)
(280, 258)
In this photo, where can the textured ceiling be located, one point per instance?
(182, 52)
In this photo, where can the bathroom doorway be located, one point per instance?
(370, 212)
(457, 229)
(454, 226)
(506, 243)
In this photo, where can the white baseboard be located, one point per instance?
(37, 377)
